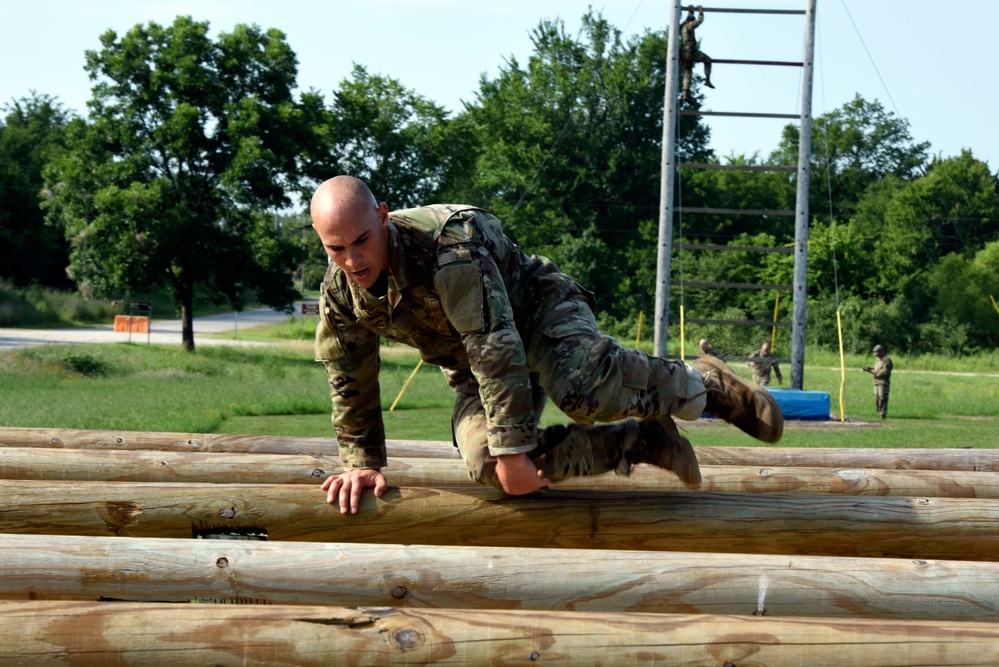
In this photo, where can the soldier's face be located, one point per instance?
(358, 243)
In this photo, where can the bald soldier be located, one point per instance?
(508, 330)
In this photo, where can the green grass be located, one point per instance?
(280, 390)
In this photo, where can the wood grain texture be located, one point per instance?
(865, 526)
(31, 463)
(97, 633)
(236, 572)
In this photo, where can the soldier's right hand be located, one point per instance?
(345, 489)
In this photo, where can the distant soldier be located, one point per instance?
(762, 362)
(882, 380)
(707, 349)
(689, 53)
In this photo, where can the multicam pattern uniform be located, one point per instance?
(507, 329)
(764, 364)
(882, 384)
(690, 54)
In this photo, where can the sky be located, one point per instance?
(885, 50)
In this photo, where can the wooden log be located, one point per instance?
(152, 466)
(203, 442)
(923, 528)
(174, 570)
(972, 460)
(97, 633)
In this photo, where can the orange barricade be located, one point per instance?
(138, 323)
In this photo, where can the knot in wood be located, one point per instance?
(228, 512)
(923, 501)
(406, 638)
(222, 563)
(534, 655)
(400, 592)
(119, 440)
(318, 472)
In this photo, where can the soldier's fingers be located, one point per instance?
(345, 494)
(329, 480)
(355, 497)
(333, 489)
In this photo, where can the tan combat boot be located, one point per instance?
(746, 406)
(659, 443)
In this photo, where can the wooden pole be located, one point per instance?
(98, 633)
(924, 528)
(972, 460)
(175, 570)
(150, 466)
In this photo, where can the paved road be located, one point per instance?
(160, 331)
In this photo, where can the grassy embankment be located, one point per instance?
(280, 390)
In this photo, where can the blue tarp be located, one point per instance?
(803, 405)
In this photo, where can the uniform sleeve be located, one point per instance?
(350, 354)
(475, 301)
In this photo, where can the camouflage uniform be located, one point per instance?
(507, 330)
(690, 54)
(882, 384)
(764, 364)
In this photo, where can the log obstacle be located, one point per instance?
(60, 632)
(972, 460)
(369, 575)
(866, 526)
(782, 557)
(189, 467)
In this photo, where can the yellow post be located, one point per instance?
(994, 303)
(405, 386)
(773, 329)
(638, 336)
(681, 332)
(842, 368)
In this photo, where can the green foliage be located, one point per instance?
(85, 364)
(31, 134)
(569, 148)
(187, 139)
(39, 306)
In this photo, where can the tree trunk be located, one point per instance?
(186, 294)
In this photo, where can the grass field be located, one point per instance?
(280, 390)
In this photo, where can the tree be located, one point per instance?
(399, 142)
(569, 147)
(31, 135)
(852, 147)
(188, 143)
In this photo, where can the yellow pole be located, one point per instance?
(842, 368)
(638, 336)
(994, 303)
(405, 386)
(681, 332)
(773, 329)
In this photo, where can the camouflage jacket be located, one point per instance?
(764, 364)
(688, 41)
(461, 293)
(882, 371)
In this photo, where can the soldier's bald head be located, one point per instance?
(339, 198)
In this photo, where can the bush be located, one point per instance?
(85, 364)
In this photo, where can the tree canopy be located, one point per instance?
(188, 143)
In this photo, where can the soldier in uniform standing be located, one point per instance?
(508, 330)
(762, 362)
(690, 54)
(882, 379)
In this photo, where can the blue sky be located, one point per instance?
(890, 50)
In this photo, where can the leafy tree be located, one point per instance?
(188, 141)
(852, 147)
(569, 148)
(31, 134)
(399, 142)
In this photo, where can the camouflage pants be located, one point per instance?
(881, 392)
(589, 377)
(687, 61)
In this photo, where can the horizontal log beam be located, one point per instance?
(981, 460)
(174, 570)
(924, 528)
(160, 634)
(28, 463)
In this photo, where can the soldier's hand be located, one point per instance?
(867, 368)
(518, 475)
(345, 489)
